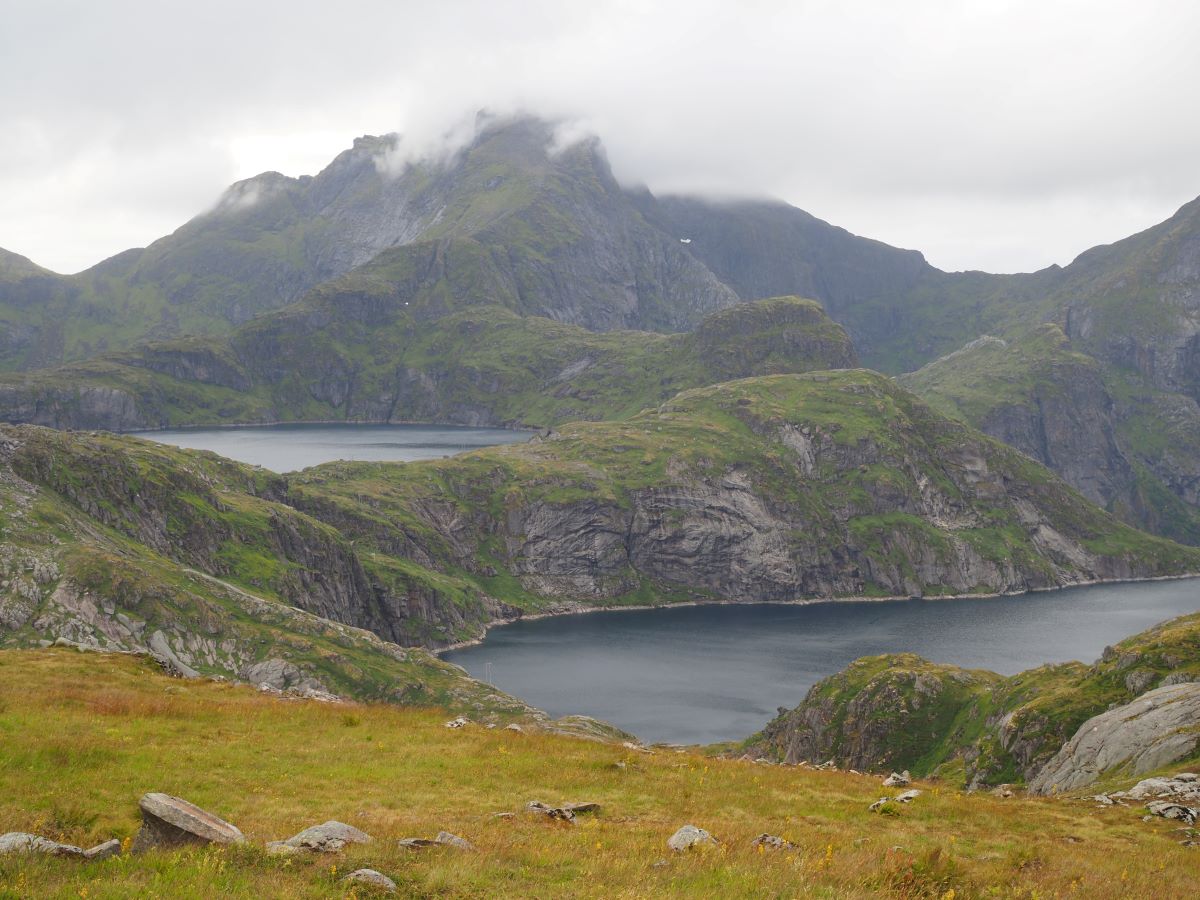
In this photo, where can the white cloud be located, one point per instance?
(1000, 135)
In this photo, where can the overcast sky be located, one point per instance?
(994, 135)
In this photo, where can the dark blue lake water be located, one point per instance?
(288, 448)
(711, 673)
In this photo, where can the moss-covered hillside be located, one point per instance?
(359, 351)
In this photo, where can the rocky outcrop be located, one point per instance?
(1159, 728)
(1133, 710)
(877, 713)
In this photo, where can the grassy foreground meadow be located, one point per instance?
(83, 736)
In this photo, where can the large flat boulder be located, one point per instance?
(1155, 730)
(171, 822)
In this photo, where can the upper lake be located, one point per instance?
(701, 674)
(288, 448)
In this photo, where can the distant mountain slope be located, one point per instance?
(388, 343)
(899, 310)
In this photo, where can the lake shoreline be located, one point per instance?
(806, 601)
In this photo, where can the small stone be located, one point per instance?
(585, 807)
(898, 779)
(690, 836)
(514, 727)
(416, 843)
(104, 851)
(171, 822)
(460, 722)
(329, 837)
(908, 796)
(281, 848)
(504, 815)
(453, 840)
(772, 842)
(879, 804)
(373, 878)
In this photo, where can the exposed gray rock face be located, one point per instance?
(690, 836)
(83, 406)
(1070, 426)
(170, 822)
(329, 837)
(1156, 729)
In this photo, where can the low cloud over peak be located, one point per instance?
(999, 135)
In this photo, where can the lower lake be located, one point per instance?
(288, 448)
(701, 674)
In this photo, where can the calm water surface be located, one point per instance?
(711, 673)
(287, 448)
